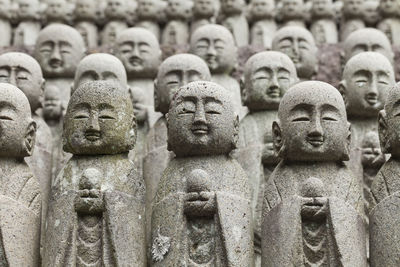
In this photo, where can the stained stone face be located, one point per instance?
(202, 121)
(367, 78)
(298, 43)
(59, 48)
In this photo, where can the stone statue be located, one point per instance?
(115, 12)
(235, 20)
(215, 44)
(23, 71)
(97, 201)
(366, 40)
(148, 15)
(85, 22)
(312, 203)
(298, 43)
(5, 24)
(323, 26)
(176, 32)
(201, 213)
(390, 22)
(371, 13)
(384, 222)
(140, 52)
(59, 48)
(20, 200)
(204, 12)
(292, 13)
(56, 11)
(267, 77)
(28, 16)
(352, 17)
(263, 28)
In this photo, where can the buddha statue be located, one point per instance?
(97, 200)
(298, 43)
(371, 13)
(292, 13)
(390, 22)
(263, 25)
(352, 17)
(5, 23)
(176, 32)
(312, 213)
(201, 213)
(85, 22)
(115, 13)
(58, 49)
(235, 20)
(216, 46)
(148, 15)
(29, 25)
(323, 26)
(204, 12)
(56, 11)
(20, 200)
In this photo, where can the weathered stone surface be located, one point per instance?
(115, 13)
(235, 21)
(56, 11)
(390, 22)
(262, 13)
(204, 12)
(176, 31)
(5, 23)
(85, 22)
(352, 17)
(148, 12)
(323, 26)
(292, 13)
(28, 16)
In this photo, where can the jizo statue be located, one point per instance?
(292, 13)
(176, 32)
(201, 213)
(148, 16)
(115, 12)
(352, 17)
(204, 12)
(5, 23)
(390, 23)
(97, 200)
(323, 26)
(29, 25)
(20, 199)
(235, 20)
(313, 204)
(85, 22)
(262, 14)
(56, 11)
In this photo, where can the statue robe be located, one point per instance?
(123, 234)
(262, 33)
(232, 219)
(324, 31)
(282, 240)
(26, 33)
(239, 28)
(176, 32)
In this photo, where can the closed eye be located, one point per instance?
(213, 112)
(6, 118)
(106, 117)
(301, 119)
(329, 119)
(80, 117)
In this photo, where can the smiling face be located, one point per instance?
(216, 46)
(268, 75)
(202, 121)
(298, 43)
(367, 78)
(99, 120)
(175, 72)
(312, 124)
(59, 48)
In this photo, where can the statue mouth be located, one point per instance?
(274, 92)
(135, 61)
(316, 141)
(372, 100)
(55, 64)
(92, 135)
(200, 129)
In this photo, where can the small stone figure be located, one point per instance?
(148, 15)
(298, 43)
(371, 13)
(176, 32)
(292, 13)
(5, 24)
(235, 20)
(56, 11)
(390, 22)
(85, 22)
(352, 17)
(204, 12)
(263, 25)
(27, 31)
(59, 48)
(202, 207)
(20, 200)
(384, 219)
(98, 196)
(215, 44)
(312, 222)
(115, 12)
(323, 26)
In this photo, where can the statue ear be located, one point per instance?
(235, 140)
(342, 90)
(156, 96)
(383, 132)
(29, 138)
(277, 137)
(243, 91)
(346, 152)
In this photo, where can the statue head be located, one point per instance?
(216, 46)
(370, 148)
(323, 8)
(367, 78)
(24, 72)
(267, 77)
(312, 124)
(17, 128)
(57, 10)
(116, 9)
(148, 9)
(262, 9)
(139, 104)
(86, 10)
(139, 51)
(367, 40)
(298, 43)
(175, 72)
(198, 181)
(232, 7)
(371, 12)
(53, 107)
(100, 66)
(28, 10)
(353, 9)
(204, 8)
(202, 121)
(292, 10)
(178, 9)
(58, 49)
(389, 8)
(99, 120)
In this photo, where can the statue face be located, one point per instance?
(389, 7)
(99, 123)
(201, 121)
(292, 8)
(322, 7)
(28, 9)
(139, 104)
(313, 124)
(370, 148)
(371, 12)
(174, 73)
(216, 47)
(268, 75)
(147, 8)
(204, 8)
(140, 53)
(52, 108)
(22, 71)
(353, 8)
(116, 9)
(86, 9)
(367, 80)
(56, 9)
(262, 8)
(176, 9)
(232, 6)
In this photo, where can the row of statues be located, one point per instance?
(132, 160)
